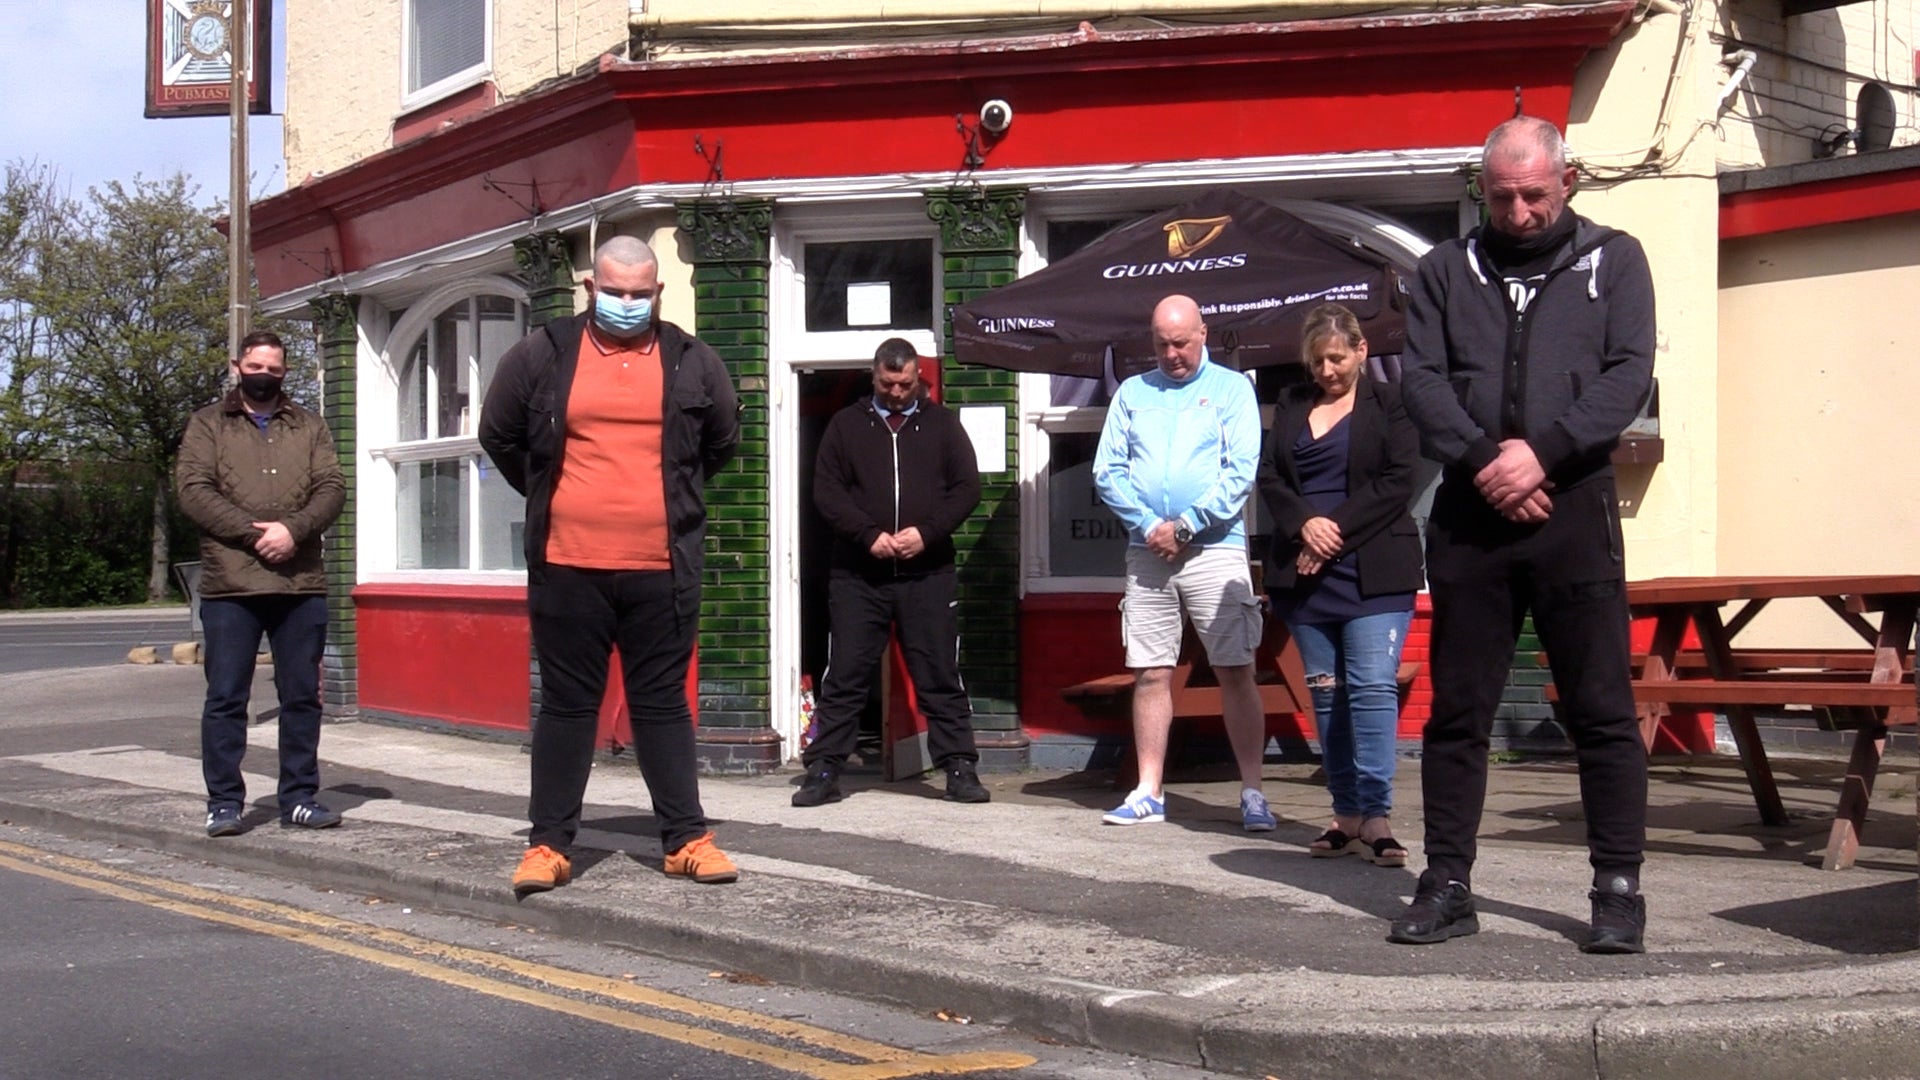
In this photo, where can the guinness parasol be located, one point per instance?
(1254, 269)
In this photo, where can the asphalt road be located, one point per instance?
(119, 962)
(31, 642)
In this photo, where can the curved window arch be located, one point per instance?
(452, 510)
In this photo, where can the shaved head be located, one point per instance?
(625, 251)
(1179, 336)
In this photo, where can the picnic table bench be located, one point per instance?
(1867, 690)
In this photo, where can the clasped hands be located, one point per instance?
(275, 544)
(1320, 544)
(904, 544)
(1515, 484)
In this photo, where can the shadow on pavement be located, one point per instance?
(1873, 920)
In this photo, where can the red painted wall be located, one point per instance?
(461, 654)
(1823, 202)
(1315, 88)
(453, 653)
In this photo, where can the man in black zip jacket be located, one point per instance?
(895, 476)
(1529, 350)
(611, 423)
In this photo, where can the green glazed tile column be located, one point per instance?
(727, 240)
(545, 261)
(980, 249)
(337, 320)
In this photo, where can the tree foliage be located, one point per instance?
(113, 330)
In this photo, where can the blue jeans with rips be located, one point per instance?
(1352, 670)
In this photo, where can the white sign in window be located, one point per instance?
(986, 427)
(870, 303)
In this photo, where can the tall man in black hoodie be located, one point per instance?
(1529, 350)
(895, 476)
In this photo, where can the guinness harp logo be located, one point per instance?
(1188, 235)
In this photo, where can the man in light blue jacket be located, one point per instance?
(1176, 463)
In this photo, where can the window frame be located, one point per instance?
(378, 421)
(412, 97)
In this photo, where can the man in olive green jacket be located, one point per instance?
(259, 475)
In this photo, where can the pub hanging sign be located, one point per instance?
(190, 60)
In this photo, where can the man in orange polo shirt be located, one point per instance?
(610, 423)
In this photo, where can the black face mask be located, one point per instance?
(260, 387)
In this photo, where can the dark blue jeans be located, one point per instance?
(296, 631)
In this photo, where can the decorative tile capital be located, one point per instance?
(337, 317)
(978, 219)
(545, 260)
(727, 230)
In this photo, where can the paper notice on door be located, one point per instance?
(870, 303)
(986, 427)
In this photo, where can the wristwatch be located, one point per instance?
(1181, 533)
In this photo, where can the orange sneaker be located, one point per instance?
(702, 862)
(541, 868)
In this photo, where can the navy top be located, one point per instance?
(1332, 595)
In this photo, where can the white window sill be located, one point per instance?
(445, 88)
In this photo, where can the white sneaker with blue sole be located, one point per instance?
(1254, 814)
(1139, 809)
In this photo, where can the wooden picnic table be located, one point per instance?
(1869, 689)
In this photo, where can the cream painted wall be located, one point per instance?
(343, 66)
(1668, 510)
(660, 231)
(1820, 332)
(344, 76)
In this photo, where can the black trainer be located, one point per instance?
(963, 784)
(310, 815)
(1440, 910)
(1619, 918)
(224, 821)
(821, 786)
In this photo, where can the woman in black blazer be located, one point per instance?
(1336, 477)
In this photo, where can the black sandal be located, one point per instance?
(1385, 851)
(1338, 844)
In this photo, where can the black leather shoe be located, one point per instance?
(1440, 910)
(963, 785)
(821, 786)
(1619, 919)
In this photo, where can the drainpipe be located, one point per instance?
(1743, 60)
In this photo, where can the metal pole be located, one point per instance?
(239, 276)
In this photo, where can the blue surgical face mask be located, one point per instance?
(622, 319)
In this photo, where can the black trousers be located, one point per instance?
(1485, 574)
(864, 616)
(578, 617)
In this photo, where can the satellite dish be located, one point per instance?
(1873, 117)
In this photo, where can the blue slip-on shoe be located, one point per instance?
(1139, 809)
(224, 821)
(1254, 814)
(310, 815)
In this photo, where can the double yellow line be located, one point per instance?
(855, 1058)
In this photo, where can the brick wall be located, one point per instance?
(1808, 73)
